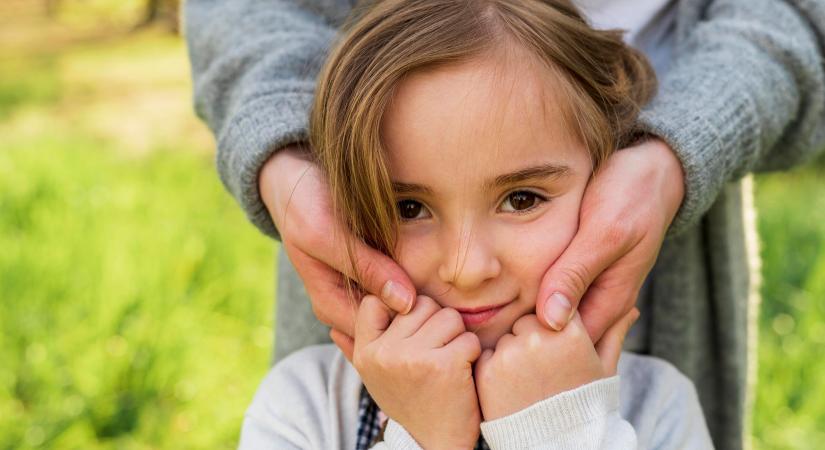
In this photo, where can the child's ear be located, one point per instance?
(609, 346)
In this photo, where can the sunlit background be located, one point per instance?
(136, 301)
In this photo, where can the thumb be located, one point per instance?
(373, 319)
(609, 346)
(567, 280)
(379, 274)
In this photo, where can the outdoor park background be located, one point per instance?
(136, 301)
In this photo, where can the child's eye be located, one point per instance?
(412, 210)
(521, 201)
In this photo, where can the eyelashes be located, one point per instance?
(412, 210)
(521, 202)
(516, 202)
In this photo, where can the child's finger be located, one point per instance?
(609, 346)
(481, 364)
(408, 324)
(376, 272)
(372, 320)
(344, 342)
(466, 346)
(441, 328)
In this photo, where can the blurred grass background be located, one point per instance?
(136, 301)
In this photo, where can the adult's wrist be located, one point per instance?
(278, 177)
(671, 175)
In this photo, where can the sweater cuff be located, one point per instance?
(544, 421)
(262, 127)
(397, 437)
(712, 141)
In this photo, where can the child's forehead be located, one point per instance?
(485, 103)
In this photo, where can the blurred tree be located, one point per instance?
(165, 11)
(50, 6)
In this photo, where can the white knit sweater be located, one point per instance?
(310, 401)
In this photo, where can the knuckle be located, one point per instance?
(427, 305)
(534, 340)
(470, 342)
(577, 275)
(367, 270)
(387, 360)
(421, 367)
(504, 342)
(619, 232)
(450, 317)
(525, 323)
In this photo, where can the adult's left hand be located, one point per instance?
(626, 211)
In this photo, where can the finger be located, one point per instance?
(564, 284)
(481, 364)
(505, 341)
(525, 324)
(466, 346)
(331, 301)
(609, 347)
(373, 319)
(374, 271)
(441, 328)
(603, 306)
(409, 324)
(344, 342)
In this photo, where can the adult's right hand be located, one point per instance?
(296, 194)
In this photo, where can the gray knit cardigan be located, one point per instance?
(746, 92)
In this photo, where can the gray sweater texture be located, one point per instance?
(745, 92)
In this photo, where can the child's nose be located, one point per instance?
(469, 261)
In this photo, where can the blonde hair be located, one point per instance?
(383, 40)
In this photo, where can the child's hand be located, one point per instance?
(418, 368)
(534, 363)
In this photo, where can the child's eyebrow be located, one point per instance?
(410, 188)
(528, 173)
(519, 176)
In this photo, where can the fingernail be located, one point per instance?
(557, 311)
(397, 297)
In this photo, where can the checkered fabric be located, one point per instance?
(370, 428)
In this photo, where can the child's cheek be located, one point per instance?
(538, 244)
(416, 253)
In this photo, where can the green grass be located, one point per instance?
(790, 401)
(136, 301)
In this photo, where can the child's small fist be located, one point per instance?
(532, 364)
(418, 369)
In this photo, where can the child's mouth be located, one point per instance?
(478, 316)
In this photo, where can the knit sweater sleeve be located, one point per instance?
(583, 418)
(665, 409)
(254, 65)
(746, 92)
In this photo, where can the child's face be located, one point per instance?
(489, 182)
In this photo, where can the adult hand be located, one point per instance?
(626, 211)
(296, 194)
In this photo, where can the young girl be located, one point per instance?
(458, 136)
